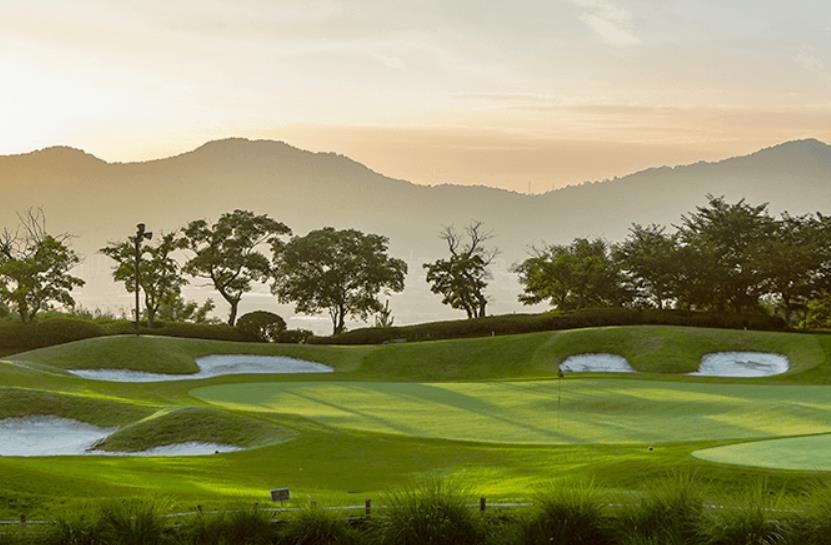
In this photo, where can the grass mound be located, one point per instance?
(17, 402)
(198, 424)
(173, 355)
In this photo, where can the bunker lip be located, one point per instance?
(57, 436)
(596, 363)
(212, 366)
(742, 365)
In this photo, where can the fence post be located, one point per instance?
(483, 504)
(368, 508)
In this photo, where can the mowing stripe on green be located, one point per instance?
(610, 411)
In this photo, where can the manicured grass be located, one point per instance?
(812, 453)
(481, 410)
(15, 402)
(194, 424)
(589, 411)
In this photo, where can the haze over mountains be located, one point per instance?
(99, 202)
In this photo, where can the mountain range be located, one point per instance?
(99, 202)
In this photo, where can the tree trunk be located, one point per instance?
(232, 317)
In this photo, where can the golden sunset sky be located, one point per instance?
(521, 95)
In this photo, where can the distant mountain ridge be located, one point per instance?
(100, 201)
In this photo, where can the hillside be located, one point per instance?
(99, 201)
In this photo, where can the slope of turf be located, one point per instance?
(811, 453)
(574, 411)
(17, 402)
(199, 424)
(651, 349)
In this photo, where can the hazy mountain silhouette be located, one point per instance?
(100, 201)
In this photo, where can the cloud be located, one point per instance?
(610, 22)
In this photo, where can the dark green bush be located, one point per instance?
(294, 336)
(670, 514)
(218, 332)
(510, 324)
(48, 332)
(261, 325)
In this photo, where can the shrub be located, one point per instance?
(132, 522)
(294, 336)
(510, 324)
(670, 514)
(314, 526)
(566, 517)
(48, 332)
(261, 325)
(78, 526)
(756, 518)
(434, 513)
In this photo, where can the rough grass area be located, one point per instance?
(16, 402)
(589, 411)
(194, 424)
(812, 453)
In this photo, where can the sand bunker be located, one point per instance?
(190, 448)
(47, 436)
(55, 436)
(742, 364)
(212, 366)
(596, 363)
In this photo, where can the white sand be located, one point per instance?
(212, 366)
(47, 436)
(56, 436)
(742, 364)
(596, 363)
(189, 448)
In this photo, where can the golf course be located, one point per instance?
(491, 412)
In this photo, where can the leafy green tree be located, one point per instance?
(384, 318)
(794, 262)
(160, 277)
(35, 268)
(339, 271)
(261, 325)
(573, 277)
(723, 242)
(649, 260)
(228, 252)
(461, 279)
(179, 310)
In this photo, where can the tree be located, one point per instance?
(462, 278)
(159, 274)
(795, 262)
(384, 318)
(227, 253)
(572, 277)
(180, 310)
(35, 267)
(649, 260)
(339, 271)
(261, 325)
(726, 239)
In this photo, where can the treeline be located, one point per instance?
(721, 257)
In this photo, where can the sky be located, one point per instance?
(527, 95)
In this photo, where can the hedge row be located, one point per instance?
(510, 324)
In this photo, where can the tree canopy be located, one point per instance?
(342, 272)
(461, 278)
(159, 274)
(228, 252)
(35, 268)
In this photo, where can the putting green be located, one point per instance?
(608, 411)
(811, 453)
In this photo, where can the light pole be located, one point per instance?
(141, 234)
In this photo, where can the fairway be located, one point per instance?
(811, 453)
(589, 411)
